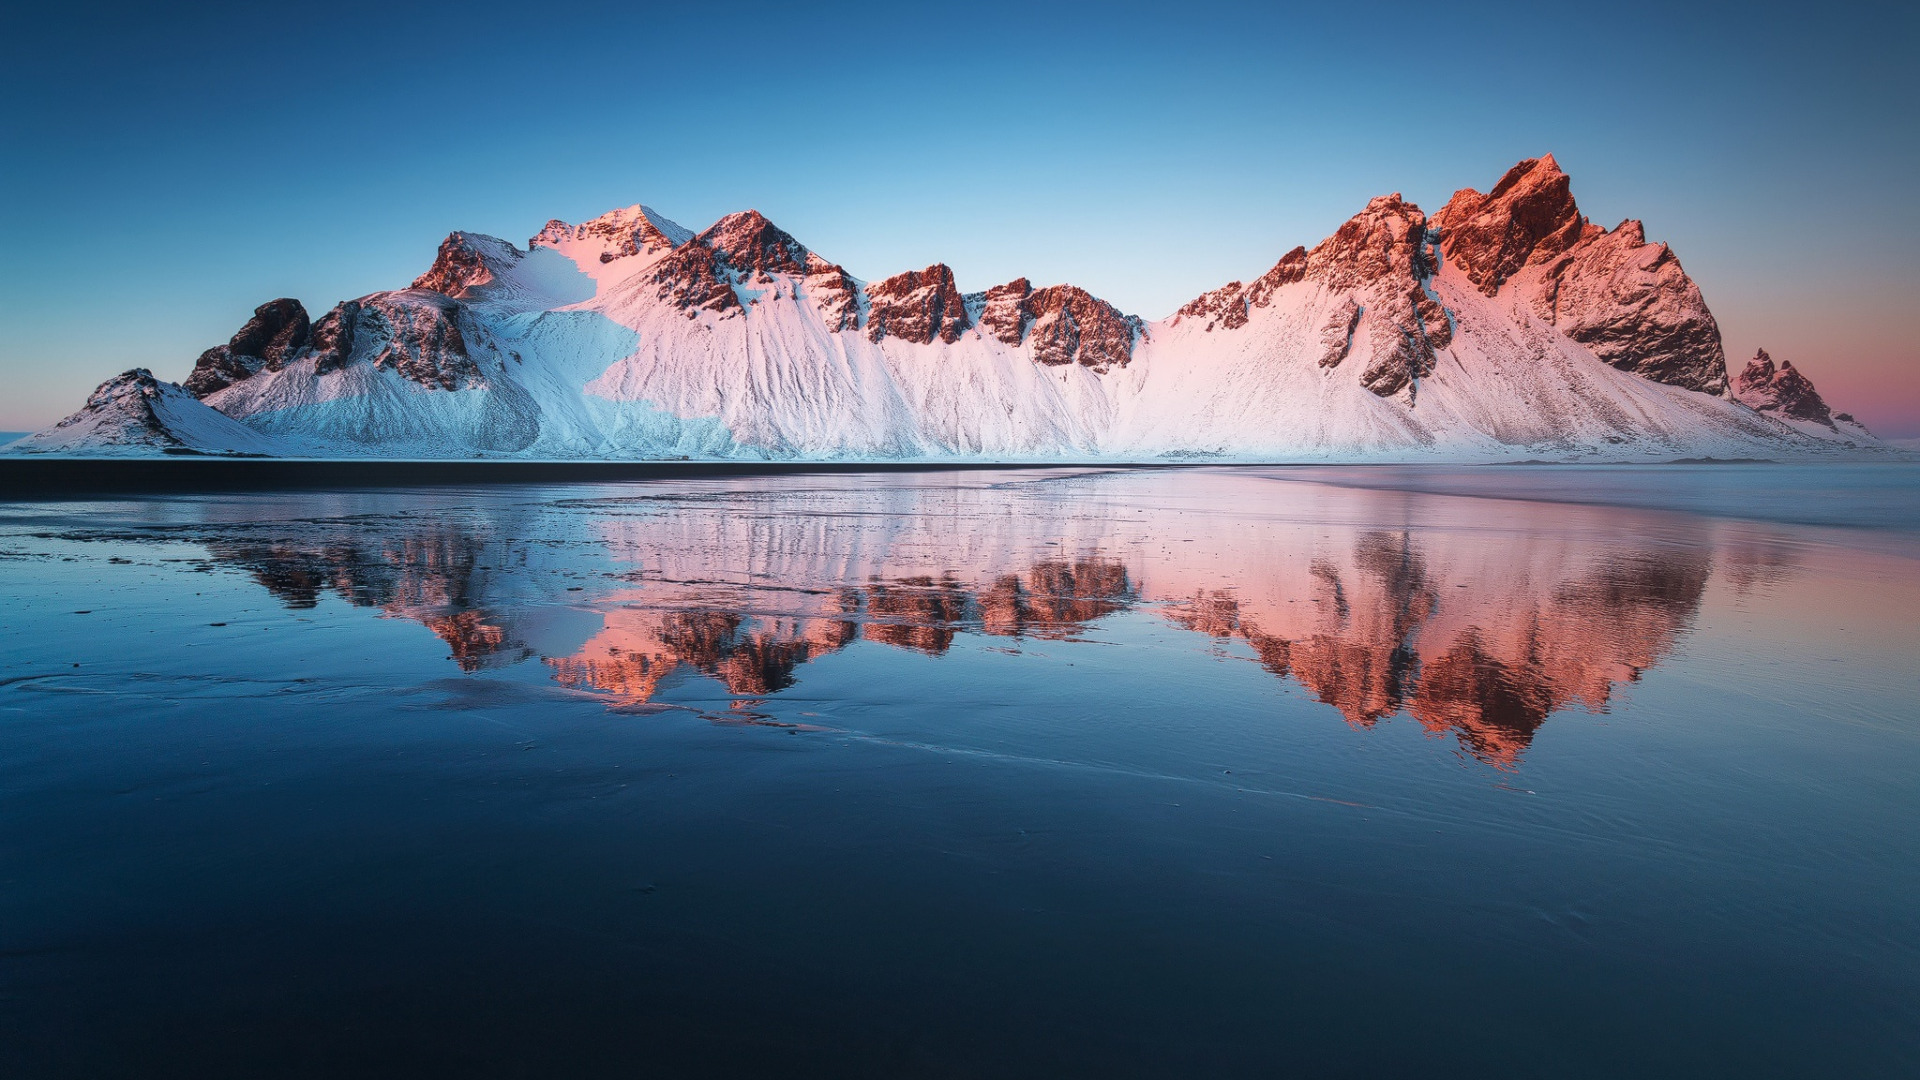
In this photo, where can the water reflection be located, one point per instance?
(1477, 619)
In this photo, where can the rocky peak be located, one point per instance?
(1065, 324)
(133, 412)
(1766, 388)
(1625, 299)
(834, 293)
(1003, 310)
(1383, 242)
(749, 243)
(1069, 325)
(277, 332)
(465, 262)
(632, 230)
(133, 390)
(1379, 259)
(917, 306)
(1528, 217)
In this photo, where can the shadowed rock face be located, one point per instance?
(1336, 334)
(1003, 311)
(917, 306)
(700, 275)
(419, 336)
(462, 264)
(415, 332)
(276, 334)
(1627, 300)
(1783, 390)
(333, 337)
(1631, 303)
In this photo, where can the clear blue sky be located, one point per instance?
(164, 172)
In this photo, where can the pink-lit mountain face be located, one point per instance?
(1505, 326)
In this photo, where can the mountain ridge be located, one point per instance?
(1504, 326)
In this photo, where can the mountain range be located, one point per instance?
(1505, 326)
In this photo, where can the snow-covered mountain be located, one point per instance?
(1505, 326)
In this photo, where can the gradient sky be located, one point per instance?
(166, 171)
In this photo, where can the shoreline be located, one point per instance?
(34, 478)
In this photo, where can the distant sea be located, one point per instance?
(9, 436)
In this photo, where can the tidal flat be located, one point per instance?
(1119, 772)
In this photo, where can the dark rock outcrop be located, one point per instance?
(917, 306)
(333, 337)
(420, 336)
(217, 369)
(1397, 339)
(1767, 388)
(276, 333)
(748, 243)
(1003, 311)
(1336, 334)
(1072, 326)
(129, 398)
(464, 263)
(1065, 323)
(692, 280)
(834, 293)
(700, 275)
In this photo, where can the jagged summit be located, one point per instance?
(1784, 391)
(466, 261)
(750, 244)
(1506, 325)
(1625, 299)
(616, 234)
(1529, 216)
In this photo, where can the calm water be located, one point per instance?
(1202, 773)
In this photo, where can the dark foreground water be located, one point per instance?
(1164, 773)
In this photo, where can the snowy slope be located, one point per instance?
(1506, 327)
(136, 415)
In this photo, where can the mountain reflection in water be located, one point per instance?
(1475, 617)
